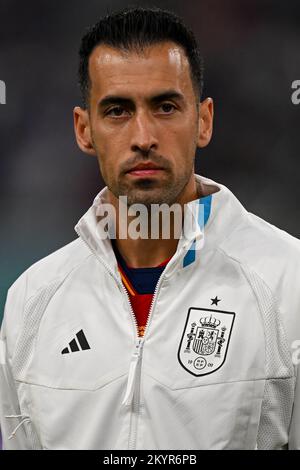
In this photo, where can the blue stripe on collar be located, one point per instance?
(191, 254)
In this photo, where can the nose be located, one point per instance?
(143, 134)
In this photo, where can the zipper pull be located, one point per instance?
(127, 400)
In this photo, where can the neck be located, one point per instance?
(148, 252)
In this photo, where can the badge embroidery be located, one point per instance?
(205, 339)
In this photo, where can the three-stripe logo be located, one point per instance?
(77, 345)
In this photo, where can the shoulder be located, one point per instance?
(272, 257)
(52, 267)
(263, 247)
(37, 279)
(56, 265)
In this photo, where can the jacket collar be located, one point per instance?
(206, 222)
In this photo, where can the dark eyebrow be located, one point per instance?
(113, 99)
(122, 100)
(167, 95)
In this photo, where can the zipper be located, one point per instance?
(130, 397)
(136, 396)
(137, 384)
(132, 393)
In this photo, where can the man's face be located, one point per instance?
(143, 121)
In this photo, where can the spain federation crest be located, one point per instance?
(205, 340)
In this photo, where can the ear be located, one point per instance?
(82, 130)
(206, 114)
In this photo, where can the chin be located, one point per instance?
(147, 199)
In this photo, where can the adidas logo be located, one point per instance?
(80, 344)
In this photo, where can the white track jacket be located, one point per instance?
(217, 368)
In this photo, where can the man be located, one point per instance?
(160, 342)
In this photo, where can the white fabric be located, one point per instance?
(50, 400)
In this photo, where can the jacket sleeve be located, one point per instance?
(14, 423)
(294, 434)
(289, 306)
(291, 319)
(292, 327)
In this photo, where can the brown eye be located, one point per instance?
(167, 107)
(117, 111)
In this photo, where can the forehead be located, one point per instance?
(157, 66)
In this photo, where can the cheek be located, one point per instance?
(107, 166)
(110, 141)
(183, 140)
(109, 161)
(185, 130)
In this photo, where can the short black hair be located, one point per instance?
(134, 29)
